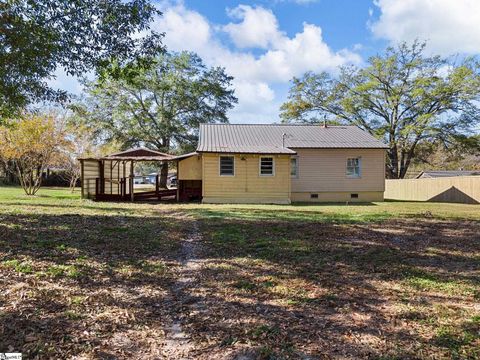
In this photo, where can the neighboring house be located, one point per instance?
(171, 178)
(283, 164)
(427, 174)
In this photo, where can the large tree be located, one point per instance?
(30, 144)
(38, 37)
(402, 96)
(159, 107)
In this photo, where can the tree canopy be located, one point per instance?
(30, 143)
(39, 37)
(402, 96)
(161, 106)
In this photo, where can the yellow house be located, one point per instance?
(281, 164)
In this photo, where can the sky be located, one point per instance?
(263, 44)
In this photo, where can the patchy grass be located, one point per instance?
(383, 280)
(396, 288)
(78, 276)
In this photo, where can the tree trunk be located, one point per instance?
(392, 166)
(164, 175)
(73, 182)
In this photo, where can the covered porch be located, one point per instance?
(112, 177)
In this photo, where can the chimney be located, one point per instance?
(325, 121)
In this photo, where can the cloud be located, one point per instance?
(449, 26)
(258, 28)
(276, 59)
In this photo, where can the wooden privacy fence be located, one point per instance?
(460, 189)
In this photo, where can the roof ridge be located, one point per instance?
(315, 125)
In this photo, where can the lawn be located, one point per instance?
(92, 280)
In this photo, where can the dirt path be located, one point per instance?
(178, 344)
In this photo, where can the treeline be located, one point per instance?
(424, 107)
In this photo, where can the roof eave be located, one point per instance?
(292, 152)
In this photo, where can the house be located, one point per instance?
(428, 174)
(274, 164)
(282, 164)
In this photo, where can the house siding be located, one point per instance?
(246, 186)
(323, 172)
(190, 168)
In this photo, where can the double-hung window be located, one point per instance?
(227, 166)
(267, 166)
(294, 167)
(354, 167)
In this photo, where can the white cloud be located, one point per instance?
(258, 28)
(449, 26)
(278, 57)
(185, 30)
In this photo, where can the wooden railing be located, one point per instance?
(105, 192)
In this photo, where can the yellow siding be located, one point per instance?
(247, 186)
(461, 189)
(190, 168)
(363, 196)
(324, 170)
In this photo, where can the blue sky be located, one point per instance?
(264, 43)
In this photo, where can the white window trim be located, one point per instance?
(296, 157)
(220, 166)
(260, 166)
(359, 176)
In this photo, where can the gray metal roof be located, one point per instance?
(446, 173)
(268, 139)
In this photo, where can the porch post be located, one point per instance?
(82, 179)
(132, 181)
(101, 166)
(178, 182)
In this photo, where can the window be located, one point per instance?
(227, 166)
(267, 165)
(354, 196)
(294, 167)
(353, 167)
(313, 196)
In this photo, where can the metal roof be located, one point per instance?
(446, 173)
(281, 138)
(139, 152)
(135, 154)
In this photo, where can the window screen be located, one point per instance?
(353, 167)
(294, 167)
(266, 166)
(227, 166)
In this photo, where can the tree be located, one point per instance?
(38, 37)
(461, 153)
(30, 144)
(78, 143)
(403, 96)
(159, 107)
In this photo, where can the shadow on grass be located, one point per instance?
(290, 283)
(71, 283)
(315, 282)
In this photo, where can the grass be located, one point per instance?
(379, 280)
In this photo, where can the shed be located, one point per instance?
(111, 177)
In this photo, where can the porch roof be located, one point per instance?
(135, 154)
